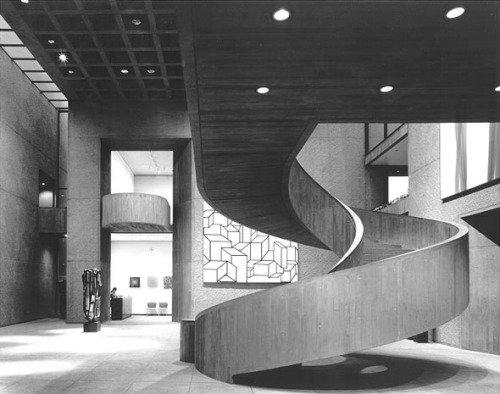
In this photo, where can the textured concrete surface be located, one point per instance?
(141, 355)
(334, 157)
(478, 328)
(28, 144)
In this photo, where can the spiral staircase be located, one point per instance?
(398, 276)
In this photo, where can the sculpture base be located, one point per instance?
(92, 326)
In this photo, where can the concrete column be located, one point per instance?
(185, 200)
(84, 214)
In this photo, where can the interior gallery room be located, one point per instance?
(249, 196)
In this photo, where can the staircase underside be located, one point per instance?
(245, 150)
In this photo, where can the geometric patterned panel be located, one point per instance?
(235, 253)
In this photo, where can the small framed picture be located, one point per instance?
(152, 282)
(135, 281)
(167, 282)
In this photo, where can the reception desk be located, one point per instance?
(121, 308)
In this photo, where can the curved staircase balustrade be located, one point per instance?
(348, 310)
(135, 213)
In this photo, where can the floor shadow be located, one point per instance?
(358, 372)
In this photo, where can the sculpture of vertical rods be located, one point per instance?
(91, 279)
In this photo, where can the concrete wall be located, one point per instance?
(478, 328)
(334, 157)
(105, 127)
(28, 143)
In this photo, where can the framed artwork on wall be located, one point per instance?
(152, 282)
(167, 282)
(235, 253)
(135, 281)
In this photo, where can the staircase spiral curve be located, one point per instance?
(398, 276)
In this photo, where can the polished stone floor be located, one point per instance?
(140, 355)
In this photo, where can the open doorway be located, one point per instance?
(141, 262)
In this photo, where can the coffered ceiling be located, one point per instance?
(114, 49)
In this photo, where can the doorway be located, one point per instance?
(141, 262)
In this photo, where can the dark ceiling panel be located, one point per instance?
(118, 57)
(71, 22)
(146, 57)
(141, 41)
(165, 22)
(111, 41)
(81, 41)
(103, 22)
(96, 5)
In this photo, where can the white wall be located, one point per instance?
(46, 199)
(122, 179)
(160, 185)
(136, 259)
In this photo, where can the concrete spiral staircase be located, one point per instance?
(245, 148)
(398, 276)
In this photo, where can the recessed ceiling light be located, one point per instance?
(25, 1)
(497, 89)
(455, 12)
(124, 71)
(281, 15)
(150, 71)
(136, 22)
(71, 72)
(263, 90)
(51, 41)
(43, 183)
(386, 89)
(63, 57)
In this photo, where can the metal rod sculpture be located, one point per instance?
(92, 294)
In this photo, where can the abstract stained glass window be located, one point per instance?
(235, 253)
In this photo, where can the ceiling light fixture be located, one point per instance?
(63, 58)
(263, 90)
(71, 72)
(136, 22)
(124, 71)
(25, 1)
(43, 183)
(150, 71)
(51, 41)
(386, 89)
(455, 12)
(497, 89)
(281, 15)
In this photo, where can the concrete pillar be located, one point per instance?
(184, 231)
(84, 214)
